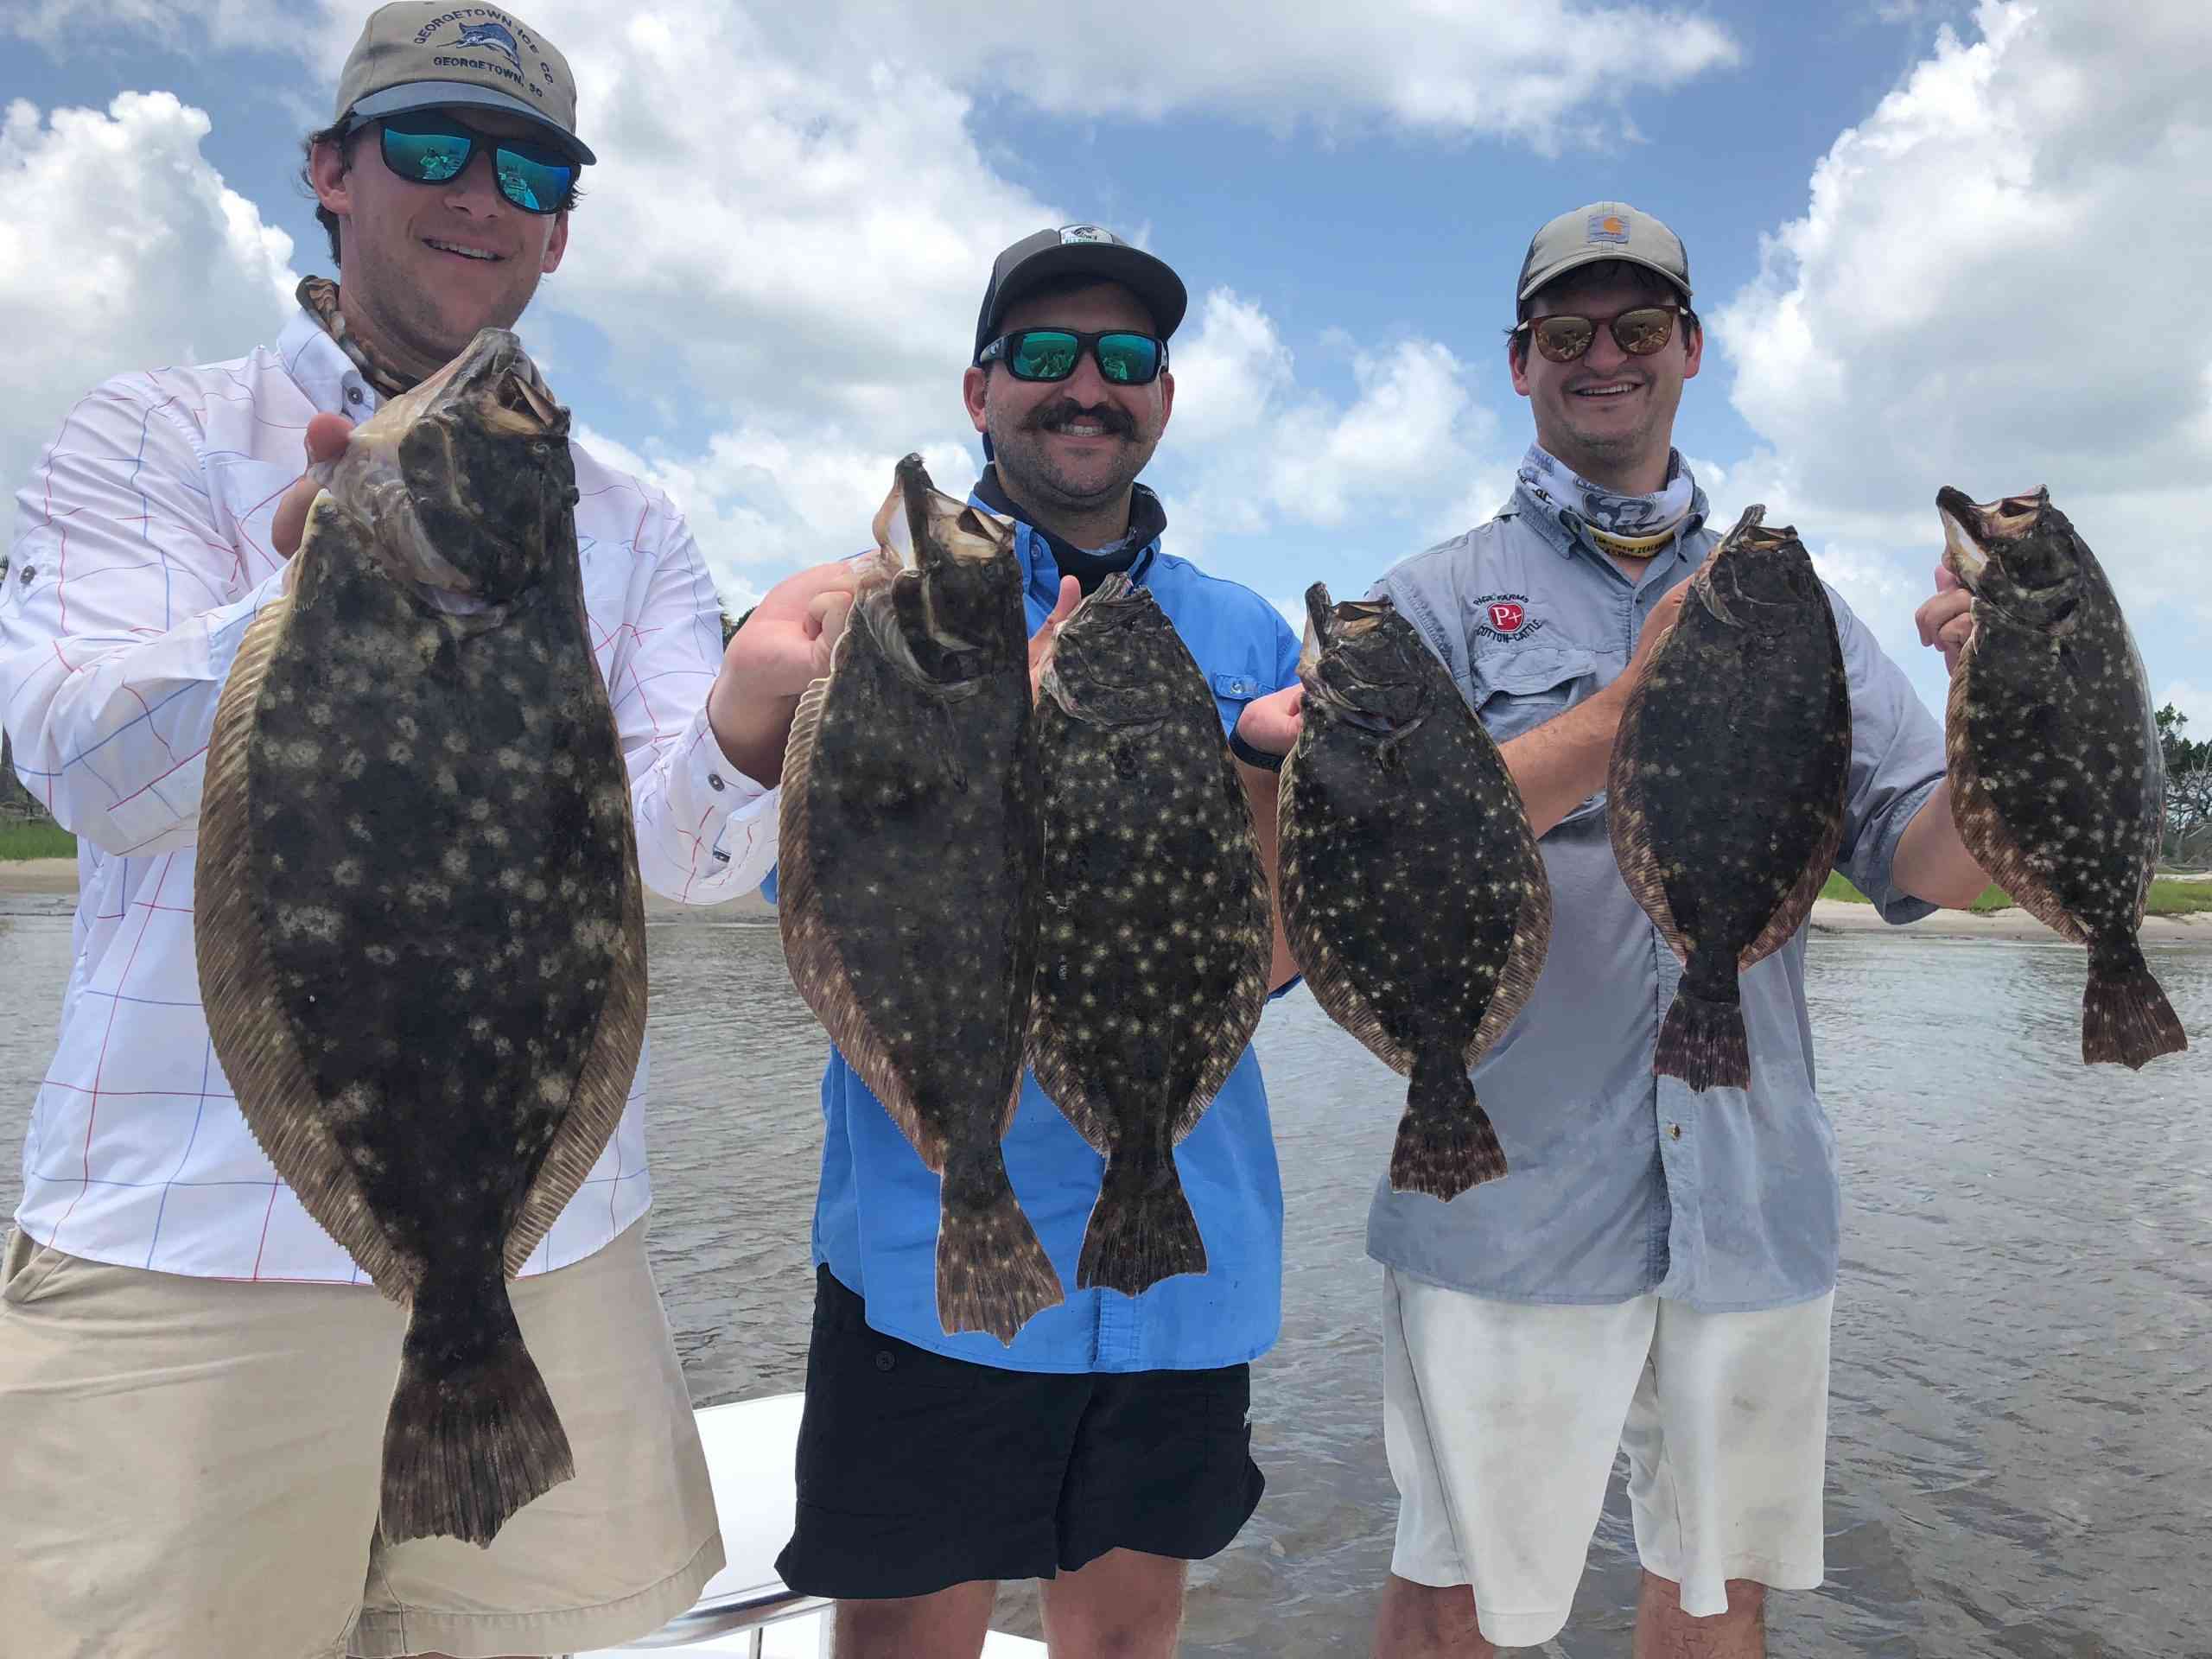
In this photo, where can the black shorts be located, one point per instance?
(917, 1472)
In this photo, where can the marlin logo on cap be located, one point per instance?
(1608, 227)
(497, 36)
(1086, 233)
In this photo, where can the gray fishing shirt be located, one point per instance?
(1621, 1183)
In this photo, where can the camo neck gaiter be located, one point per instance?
(1634, 525)
(319, 296)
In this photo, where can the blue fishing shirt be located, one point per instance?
(875, 1218)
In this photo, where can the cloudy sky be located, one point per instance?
(1934, 243)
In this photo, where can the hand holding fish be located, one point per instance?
(1041, 643)
(783, 647)
(1270, 724)
(1656, 625)
(1945, 621)
(325, 440)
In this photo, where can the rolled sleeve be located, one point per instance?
(1897, 760)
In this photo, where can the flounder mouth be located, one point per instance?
(1973, 529)
(918, 526)
(495, 377)
(1321, 629)
(1962, 556)
(1330, 626)
(492, 390)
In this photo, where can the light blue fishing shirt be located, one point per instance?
(1620, 1183)
(875, 1219)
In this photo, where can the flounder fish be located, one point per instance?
(1413, 895)
(421, 930)
(1157, 930)
(2057, 781)
(911, 852)
(1725, 787)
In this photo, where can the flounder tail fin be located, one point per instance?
(1446, 1143)
(992, 1271)
(1141, 1229)
(471, 1436)
(1703, 1042)
(2124, 1015)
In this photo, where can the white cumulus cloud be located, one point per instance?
(1990, 289)
(189, 273)
(1549, 71)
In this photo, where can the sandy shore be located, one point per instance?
(43, 886)
(1837, 916)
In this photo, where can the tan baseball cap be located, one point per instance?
(416, 56)
(1603, 230)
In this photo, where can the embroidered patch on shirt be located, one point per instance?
(1504, 616)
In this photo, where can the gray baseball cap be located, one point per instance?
(414, 56)
(1601, 231)
(1080, 250)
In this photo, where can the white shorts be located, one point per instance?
(1502, 1418)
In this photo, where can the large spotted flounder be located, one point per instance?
(420, 931)
(1414, 896)
(910, 853)
(2057, 782)
(1156, 929)
(1725, 789)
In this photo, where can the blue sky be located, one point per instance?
(1935, 243)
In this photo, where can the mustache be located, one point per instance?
(1114, 420)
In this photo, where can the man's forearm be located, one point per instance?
(1562, 762)
(1932, 862)
(752, 732)
(1261, 789)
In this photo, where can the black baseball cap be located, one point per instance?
(1080, 251)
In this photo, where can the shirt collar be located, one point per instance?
(1045, 556)
(1562, 531)
(318, 366)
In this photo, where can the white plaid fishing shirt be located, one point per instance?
(140, 555)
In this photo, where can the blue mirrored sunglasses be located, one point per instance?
(426, 147)
(1123, 358)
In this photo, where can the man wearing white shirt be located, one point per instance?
(192, 1375)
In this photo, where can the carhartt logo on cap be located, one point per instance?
(1085, 233)
(1608, 227)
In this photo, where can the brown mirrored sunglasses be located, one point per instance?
(1639, 332)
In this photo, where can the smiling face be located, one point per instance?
(1609, 415)
(423, 267)
(1070, 449)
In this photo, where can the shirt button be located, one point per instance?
(884, 1361)
(714, 782)
(353, 394)
(1674, 1129)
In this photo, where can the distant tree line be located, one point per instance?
(2188, 789)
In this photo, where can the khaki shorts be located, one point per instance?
(189, 1469)
(1501, 1421)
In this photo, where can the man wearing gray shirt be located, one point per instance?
(1656, 1270)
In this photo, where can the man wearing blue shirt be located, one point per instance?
(1655, 1271)
(1106, 1447)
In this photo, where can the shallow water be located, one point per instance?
(2020, 1440)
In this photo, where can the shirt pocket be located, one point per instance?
(1518, 689)
(1232, 689)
